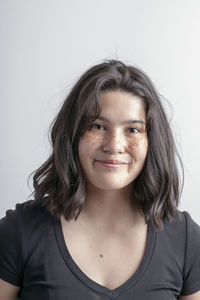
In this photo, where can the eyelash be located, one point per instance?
(95, 125)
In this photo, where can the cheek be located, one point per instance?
(139, 147)
(88, 143)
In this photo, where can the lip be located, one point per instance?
(112, 162)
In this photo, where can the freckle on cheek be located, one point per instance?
(138, 145)
(91, 139)
(133, 145)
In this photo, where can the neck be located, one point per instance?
(111, 211)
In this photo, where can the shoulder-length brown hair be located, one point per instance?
(60, 185)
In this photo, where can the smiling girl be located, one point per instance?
(104, 222)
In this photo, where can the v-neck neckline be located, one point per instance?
(91, 284)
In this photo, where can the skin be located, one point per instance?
(8, 291)
(108, 197)
(195, 296)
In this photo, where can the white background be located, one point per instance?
(47, 44)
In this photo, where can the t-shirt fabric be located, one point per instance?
(34, 256)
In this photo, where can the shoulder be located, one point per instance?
(180, 241)
(187, 230)
(182, 234)
(11, 259)
(22, 220)
(183, 222)
(21, 229)
(191, 274)
(191, 225)
(23, 211)
(192, 247)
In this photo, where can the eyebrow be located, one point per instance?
(125, 122)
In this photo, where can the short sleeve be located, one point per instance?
(10, 248)
(191, 276)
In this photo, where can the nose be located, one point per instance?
(114, 142)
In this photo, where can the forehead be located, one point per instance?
(121, 104)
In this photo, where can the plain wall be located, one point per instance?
(47, 44)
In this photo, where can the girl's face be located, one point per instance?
(113, 150)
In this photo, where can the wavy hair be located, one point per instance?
(59, 183)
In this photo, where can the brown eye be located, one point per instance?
(97, 126)
(134, 130)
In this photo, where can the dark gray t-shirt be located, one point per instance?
(33, 255)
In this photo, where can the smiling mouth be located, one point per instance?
(111, 164)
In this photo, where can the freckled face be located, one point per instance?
(113, 151)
